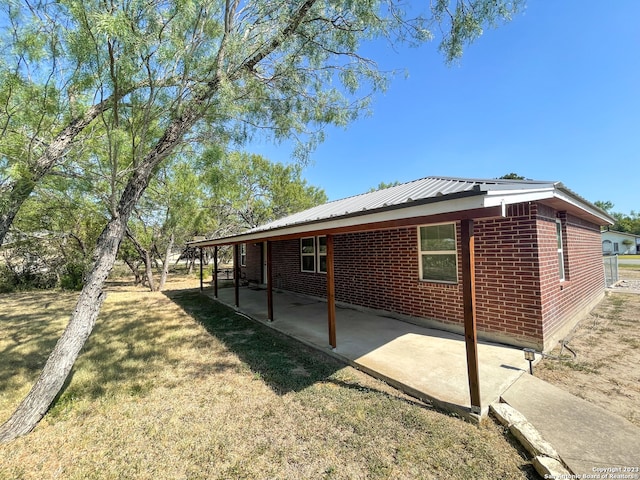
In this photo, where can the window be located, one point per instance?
(322, 254)
(313, 254)
(243, 254)
(438, 253)
(560, 249)
(308, 254)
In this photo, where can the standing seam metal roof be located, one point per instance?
(416, 190)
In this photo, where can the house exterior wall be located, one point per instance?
(564, 303)
(252, 271)
(612, 243)
(508, 302)
(520, 299)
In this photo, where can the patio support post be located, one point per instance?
(236, 272)
(215, 271)
(269, 283)
(201, 257)
(469, 301)
(331, 293)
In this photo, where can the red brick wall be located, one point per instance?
(380, 270)
(286, 271)
(252, 272)
(507, 275)
(515, 303)
(584, 278)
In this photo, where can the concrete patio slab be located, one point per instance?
(427, 363)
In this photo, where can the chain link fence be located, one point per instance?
(610, 269)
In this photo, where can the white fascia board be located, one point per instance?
(496, 198)
(591, 211)
(435, 208)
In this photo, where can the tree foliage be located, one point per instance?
(248, 190)
(512, 176)
(383, 185)
(627, 223)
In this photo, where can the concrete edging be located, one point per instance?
(546, 460)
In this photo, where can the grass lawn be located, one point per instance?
(607, 347)
(175, 386)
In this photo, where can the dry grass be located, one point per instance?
(175, 386)
(607, 344)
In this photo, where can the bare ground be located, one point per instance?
(605, 369)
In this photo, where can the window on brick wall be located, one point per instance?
(322, 254)
(308, 254)
(560, 248)
(438, 253)
(313, 254)
(243, 254)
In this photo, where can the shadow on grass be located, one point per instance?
(283, 363)
(30, 333)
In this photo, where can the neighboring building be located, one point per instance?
(536, 267)
(620, 243)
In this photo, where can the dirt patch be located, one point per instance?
(606, 343)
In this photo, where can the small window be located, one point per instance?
(322, 254)
(560, 249)
(438, 253)
(243, 254)
(308, 254)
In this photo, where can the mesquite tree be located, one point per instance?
(175, 72)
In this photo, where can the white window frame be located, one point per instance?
(421, 252)
(560, 245)
(320, 254)
(243, 254)
(308, 254)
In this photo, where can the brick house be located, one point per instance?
(517, 262)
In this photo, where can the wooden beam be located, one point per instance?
(331, 293)
(215, 271)
(269, 283)
(469, 305)
(201, 261)
(236, 272)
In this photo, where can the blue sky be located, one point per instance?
(552, 95)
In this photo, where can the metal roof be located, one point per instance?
(431, 190)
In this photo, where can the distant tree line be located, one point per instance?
(627, 223)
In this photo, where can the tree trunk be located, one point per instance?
(59, 364)
(136, 274)
(146, 259)
(165, 264)
(148, 271)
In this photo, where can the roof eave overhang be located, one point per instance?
(557, 198)
(467, 206)
(476, 204)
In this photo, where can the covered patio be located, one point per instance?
(411, 249)
(426, 363)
